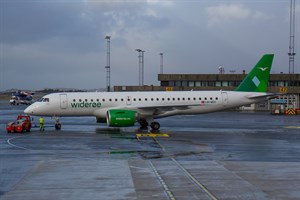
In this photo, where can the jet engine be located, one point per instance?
(121, 118)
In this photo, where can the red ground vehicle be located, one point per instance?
(22, 124)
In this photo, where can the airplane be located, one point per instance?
(124, 109)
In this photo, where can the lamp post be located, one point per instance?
(161, 63)
(141, 66)
(108, 64)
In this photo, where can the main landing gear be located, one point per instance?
(154, 125)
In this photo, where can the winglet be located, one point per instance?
(258, 78)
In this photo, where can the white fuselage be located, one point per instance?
(156, 104)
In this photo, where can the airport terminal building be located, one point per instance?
(286, 85)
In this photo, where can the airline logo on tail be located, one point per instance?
(263, 68)
(256, 81)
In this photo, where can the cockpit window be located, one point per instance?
(46, 100)
(40, 100)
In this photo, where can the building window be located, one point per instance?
(211, 83)
(171, 83)
(204, 83)
(225, 83)
(184, 83)
(191, 84)
(178, 83)
(218, 84)
(198, 84)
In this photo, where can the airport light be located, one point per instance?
(141, 66)
(108, 64)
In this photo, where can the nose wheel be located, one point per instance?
(57, 123)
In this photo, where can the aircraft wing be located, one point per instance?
(260, 96)
(150, 111)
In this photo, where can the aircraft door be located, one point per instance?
(128, 100)
(63, 101)
(224, 98)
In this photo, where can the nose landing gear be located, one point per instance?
(57, 123)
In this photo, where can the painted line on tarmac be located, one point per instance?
(16, 146)
(195, 180)
(162, 182)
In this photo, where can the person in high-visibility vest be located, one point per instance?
(42, 128)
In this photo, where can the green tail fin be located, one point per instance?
(258, 78)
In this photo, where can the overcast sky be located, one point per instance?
(60, 43)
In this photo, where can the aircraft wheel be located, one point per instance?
(155, 126)
(57, 126)
(144, 124)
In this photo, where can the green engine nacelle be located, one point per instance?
(121, 118)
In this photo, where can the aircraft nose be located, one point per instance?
(29, 110)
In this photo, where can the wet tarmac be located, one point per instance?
(226, 155)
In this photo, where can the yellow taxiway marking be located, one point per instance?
(292, 127)
(162, 182)
(213, 197)
(152, 135)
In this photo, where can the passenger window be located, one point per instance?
(217, 98)
(183, 99)
(200, 98)
(80, 100)
(103, 99)
(74, 100)
(178, 99)
(145, 99)
(205, 98)
(211, 98)
(122, 99)
(92, 100)
(157, 99)
(109, 99)
(163, 99)
(116, 99)
(97, 100)
(168, 99)
(189, 98)
(140, 99)
(194, 98)
(152, 99)
(173, 99)
(134, 99)
(85, 100)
